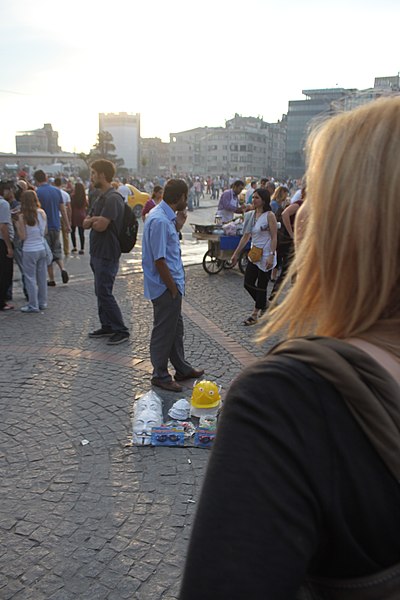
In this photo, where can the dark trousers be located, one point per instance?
(285, 255)
(81, 232)
(167, 337)
(6, 273)
(255, 282)
(105, 272)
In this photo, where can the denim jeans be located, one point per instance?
(110, 315)
(34, 265)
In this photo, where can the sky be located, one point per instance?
(181, 64)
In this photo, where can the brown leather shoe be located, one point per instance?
(193, 374)
(170, 386)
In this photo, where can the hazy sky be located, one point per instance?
(181, 64)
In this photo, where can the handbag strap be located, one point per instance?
(370, 392)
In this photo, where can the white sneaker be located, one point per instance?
(29, 309)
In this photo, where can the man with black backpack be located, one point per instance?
(106, 223)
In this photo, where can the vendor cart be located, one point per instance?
(220, 248)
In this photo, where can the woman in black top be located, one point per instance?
(302, 487)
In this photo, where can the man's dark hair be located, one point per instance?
(173, 190)
(104, 166)
(57, 182)
(6, 185)
(264, 180)
(238, 182)
(254, 182)
(40, 176)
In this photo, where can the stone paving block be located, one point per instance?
(103, 503)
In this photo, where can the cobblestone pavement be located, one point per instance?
(102, 520)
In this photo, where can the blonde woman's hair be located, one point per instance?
(280, 193)
(347, 266)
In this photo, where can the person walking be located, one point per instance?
(164, 285)
(79, 205)
(64, 226)
(51, 201)
(31, 226)
(259, 226)
(105, 221)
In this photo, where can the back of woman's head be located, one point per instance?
(265, 197)
(348, 267)
(280, 193)
(29, 205)
(78, 199)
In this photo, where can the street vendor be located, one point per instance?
(229, 202)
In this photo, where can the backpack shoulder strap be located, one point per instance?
(369, 391)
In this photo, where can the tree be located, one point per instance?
(103, 149)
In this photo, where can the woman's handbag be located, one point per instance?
(49, 254)
(255, 254)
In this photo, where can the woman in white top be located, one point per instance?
(31, 226)
(259, 225)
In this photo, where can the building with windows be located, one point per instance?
(300, 117)
(321, 104)
(154, 157)
(245, 147)
(38, 140)
(125, 130)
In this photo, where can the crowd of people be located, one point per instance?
(306, 431)
(66, 202)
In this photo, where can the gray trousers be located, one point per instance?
(167, 337)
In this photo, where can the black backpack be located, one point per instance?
(129, 230)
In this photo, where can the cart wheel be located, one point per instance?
(243, 260)
(211, 264)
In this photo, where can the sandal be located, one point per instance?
(250, 321)
(8, 307)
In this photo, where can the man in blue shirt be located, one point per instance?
(164, 285)
(52, 203)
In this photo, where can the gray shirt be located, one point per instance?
(5, 217)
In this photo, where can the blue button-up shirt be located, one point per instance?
(161, 240)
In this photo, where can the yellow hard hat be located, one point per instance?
(205, 394)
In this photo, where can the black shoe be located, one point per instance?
(81, 252)
(118, 338)
(51, 283)
(101, 333)
(64, 276)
